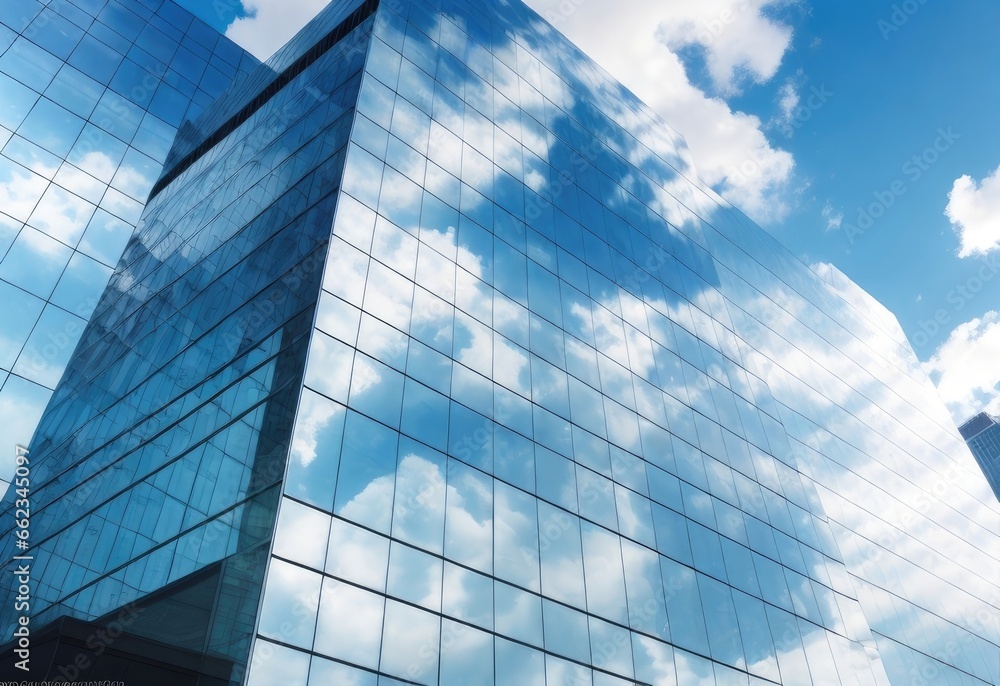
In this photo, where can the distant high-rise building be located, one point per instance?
(982, 434)
(433, 362)
(91, 95)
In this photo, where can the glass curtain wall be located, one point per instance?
(92, 93)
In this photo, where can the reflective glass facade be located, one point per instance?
(982, 434)
(435, 360)
(92, 93)
(156, 462)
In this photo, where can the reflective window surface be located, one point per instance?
(92, 93)
(441, 358)
(983, 437)
(590, 425)
(157, 462)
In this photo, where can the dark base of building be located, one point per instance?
(70, 651)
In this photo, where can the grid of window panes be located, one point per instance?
(160, 451)
(245, 90)
(567, 417)
(538, 446)
(93, 92)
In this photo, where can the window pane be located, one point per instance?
(739, 567)
(791, 658)
(414, 576)
(518, 665)
(555, 477)
(350, 624)
(516, 537)
(469, 518)
(357, 555)
(274, 664)
(611, 647)
(635, 516)
(291, 602)
(602, 557)
(325, 672)
(645, 590)
(559, 671)
(410, 642)
(518, 613)
(514, 459)
(724, 638)
(693, 669)
(566, 631)
(425, 415)
(300, 534)
(376, 390)
(561, 555)
(687, 620)
(468, 596)
(315, 453)
(381, 341)
(329, 368)
(597, 497)
(466, 655)
(419, 506)
(367, 473)
(654, 661)
(707, 551)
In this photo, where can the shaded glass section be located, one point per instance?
(159, 457)
(92, 93)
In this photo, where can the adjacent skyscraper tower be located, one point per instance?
(433, 362)
(982, 433)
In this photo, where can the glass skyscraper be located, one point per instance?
(982, 434)
(433, 362)
(91, 95)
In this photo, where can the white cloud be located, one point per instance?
(974, 211)
(739, 42)
(270, 23)
(788, 101)
(834, 218)
(960, 368)
(732, 152)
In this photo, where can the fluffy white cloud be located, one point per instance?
(732, 152)
(974, 211)
(739, 42)
(270, 23)
(960, 368)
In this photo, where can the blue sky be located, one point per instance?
(862, 133)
